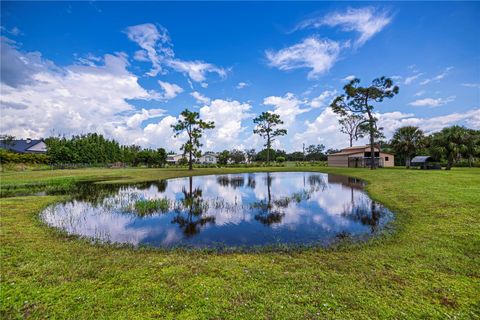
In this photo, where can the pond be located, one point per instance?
(221, 211)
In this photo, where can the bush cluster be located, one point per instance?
(12, 157)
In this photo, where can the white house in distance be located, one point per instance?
(174, 158)
(359, 157)
(208, 158)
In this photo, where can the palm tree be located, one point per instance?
(407, 140)
(472, 145)
(451, 142)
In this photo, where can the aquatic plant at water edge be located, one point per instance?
(145, 207)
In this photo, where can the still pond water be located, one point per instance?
(234, 210)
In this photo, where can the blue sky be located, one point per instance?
(127, 69)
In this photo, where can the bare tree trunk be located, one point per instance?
(372, 147)
(407, 160)
(372, 150)
(190, 166)
(351, 141)
(269, 182)
(372, 141)
(449, 164)
(268, 150)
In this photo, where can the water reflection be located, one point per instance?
(190, 216)
(269, 213)
(235, 182)
(229, 210)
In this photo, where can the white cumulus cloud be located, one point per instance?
(432, 102)
(170, 90)
(242, 85)
(69, 100)
(78, 99)
(228, 117)
(155, 43)
(200, 98)
(288, 107)
(324, 99)
(365, 21)
(196, 70)
(313, 53)
(157, 47)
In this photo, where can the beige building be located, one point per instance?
(359, 157)
(174, 158)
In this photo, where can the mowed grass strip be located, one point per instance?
(429, 267)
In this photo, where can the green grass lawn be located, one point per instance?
(428, 268)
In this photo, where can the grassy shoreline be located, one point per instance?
(428, 268)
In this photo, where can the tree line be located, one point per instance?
(312, 153)
(93, 148)
(449, 145)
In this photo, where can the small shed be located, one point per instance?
(424, 162)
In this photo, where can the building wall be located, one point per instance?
(174, 159)
(361, 160)
(390, 162)
(208, 159)
(356, 155)
(337, 161)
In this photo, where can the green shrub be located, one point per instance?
(27, 158)
(466, 163)
(311, 163)
(183, 161)
(280, 159)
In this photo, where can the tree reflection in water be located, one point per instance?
(235, 182)
(316, 183)
(251, 182)
(269, 213)
(160, 184)
(368, 215)
(189, 216)
(96, 193)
